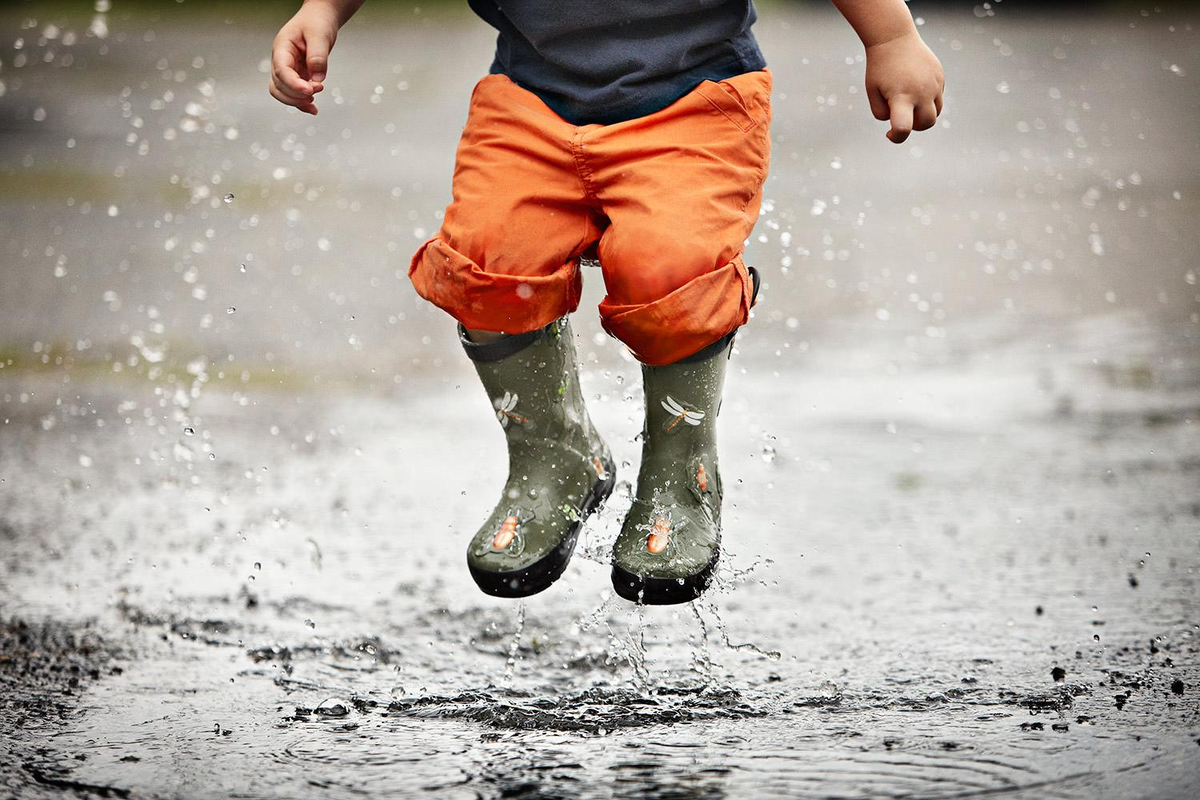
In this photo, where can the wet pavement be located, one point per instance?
(239, 461)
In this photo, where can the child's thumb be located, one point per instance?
(316, 57)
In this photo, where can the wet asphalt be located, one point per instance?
(239, 460)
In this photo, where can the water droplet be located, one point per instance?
(230, 310)
(228, 198)
(332, 708)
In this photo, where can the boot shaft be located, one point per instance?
(532, 380)
(679, 437)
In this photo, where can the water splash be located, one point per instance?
(701, 658)
(510, 664)
(748, 647)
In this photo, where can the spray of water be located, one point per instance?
(510, 665)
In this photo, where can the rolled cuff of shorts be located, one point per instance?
(687, 320)
(490, 301)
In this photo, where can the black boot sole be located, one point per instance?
(664, 591)
(538, 576)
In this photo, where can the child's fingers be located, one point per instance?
(879, 106)
(925, 116)
(283, 60)
(290, 82)
(305, 105)
(316, 56)
(901, 115)
(278, 94)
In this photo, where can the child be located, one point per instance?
(636, 131)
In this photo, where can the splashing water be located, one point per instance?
(514, 647)
(709, 606)
(702, 661)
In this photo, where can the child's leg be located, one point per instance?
(559, 469)
(507, 256)
(682, 190)
(505, 265)
(670, 542)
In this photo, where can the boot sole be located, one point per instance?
(664, 591)
(538, 576)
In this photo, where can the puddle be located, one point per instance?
(287, 631)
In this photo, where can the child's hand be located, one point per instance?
(300, 55)
(904, 85)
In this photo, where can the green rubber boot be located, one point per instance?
(559, 469)
(670, 542)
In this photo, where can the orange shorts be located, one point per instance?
(665, 201)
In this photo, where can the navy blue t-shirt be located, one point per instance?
(611, 60)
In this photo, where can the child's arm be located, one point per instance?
(300, 53)
(904, 77)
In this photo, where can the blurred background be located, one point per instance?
(1056, 189)
(239, 458)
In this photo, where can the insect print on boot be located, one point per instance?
(660, 535)
(680, 412)
(507, 538)
(702, 481)
(504, 409)
(661, 527)
(598, 466)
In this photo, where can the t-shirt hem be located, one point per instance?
(644, 104)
